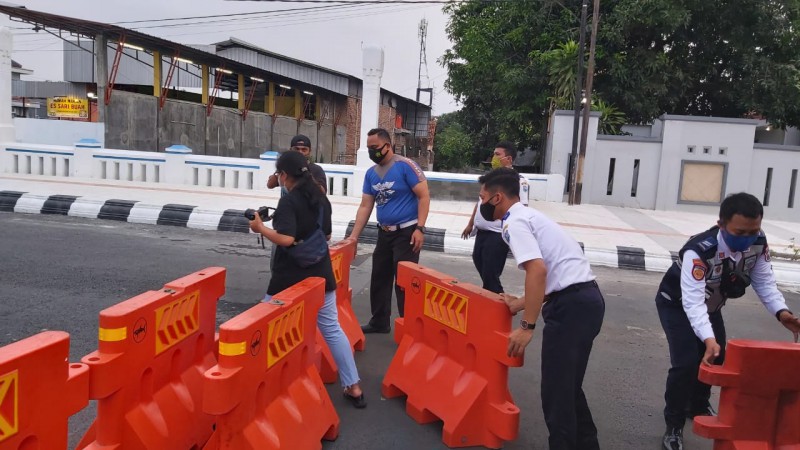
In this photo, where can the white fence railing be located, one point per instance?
(124, 165)
(177, 165)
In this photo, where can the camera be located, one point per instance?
(263, 212)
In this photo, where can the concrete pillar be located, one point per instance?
(298, 104)
(370, 98)
(267, 164)
(101, 74)
(175, 167)
(157, 73)
(204, 77)
(6, 125)
(269, 102)
(83, 163)
(242, 93)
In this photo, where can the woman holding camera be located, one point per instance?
(301, 227)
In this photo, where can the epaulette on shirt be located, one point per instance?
(704, 244)
(707, 243)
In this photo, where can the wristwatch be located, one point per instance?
(525, 325)
(421, 228)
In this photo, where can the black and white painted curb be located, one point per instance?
(436, 239)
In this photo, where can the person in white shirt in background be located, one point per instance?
(558, 276)
(712, 267)
(490, 252)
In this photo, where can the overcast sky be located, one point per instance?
(329, 37)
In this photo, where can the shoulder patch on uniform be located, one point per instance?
(699, 269)
(766, 252)
(506, 234)
(707, 244)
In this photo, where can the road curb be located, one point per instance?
(232, 220)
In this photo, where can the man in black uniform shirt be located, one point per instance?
(713, 266)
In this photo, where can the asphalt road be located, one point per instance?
(57, 273)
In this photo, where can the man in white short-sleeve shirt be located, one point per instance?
(558, 276)
(490, 252)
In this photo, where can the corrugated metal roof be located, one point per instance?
(44, 89)
(303, 73)
(286, 70)
(135, 68)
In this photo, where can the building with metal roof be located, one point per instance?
(230, 98)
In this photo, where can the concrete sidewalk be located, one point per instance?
(611, 236)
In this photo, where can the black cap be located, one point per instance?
(301, 140)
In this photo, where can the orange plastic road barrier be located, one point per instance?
(147, 373)
(452, 361)
(265, 390)
(759, 403)
(342, 255)
(39, 390)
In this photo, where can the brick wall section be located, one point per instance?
(386, 116)
(352, 120)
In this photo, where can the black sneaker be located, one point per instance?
(673, 439)
(704, 411)
(368, 328)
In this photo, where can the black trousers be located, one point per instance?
(392, 247)
(572, 321)
(489, 255)
(684, 391)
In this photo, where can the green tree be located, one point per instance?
(453, 146)
(729, 58)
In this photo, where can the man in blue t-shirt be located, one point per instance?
(397, 187)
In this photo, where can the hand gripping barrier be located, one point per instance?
(147, 373)
(759, 404)
(342, 255)
(451, 362)
(39, 390)
(265, 390)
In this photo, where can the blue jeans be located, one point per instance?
(328, 323)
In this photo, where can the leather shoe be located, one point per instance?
(704, 411)
(368, 328)
(673, 439)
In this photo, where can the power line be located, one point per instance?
(251, 19)
(290, 23)
(223, 18)
(438, 2)
(222, 15)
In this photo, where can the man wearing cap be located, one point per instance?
(302, 144)
(397, 188)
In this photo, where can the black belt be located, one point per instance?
(571, 288)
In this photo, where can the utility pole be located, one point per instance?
(587, 109)
(573, 168)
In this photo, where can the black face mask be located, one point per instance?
(376, 154)
(487, 211)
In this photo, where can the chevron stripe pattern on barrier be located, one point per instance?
(284, 334)
(446, 307)
(176, 321)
